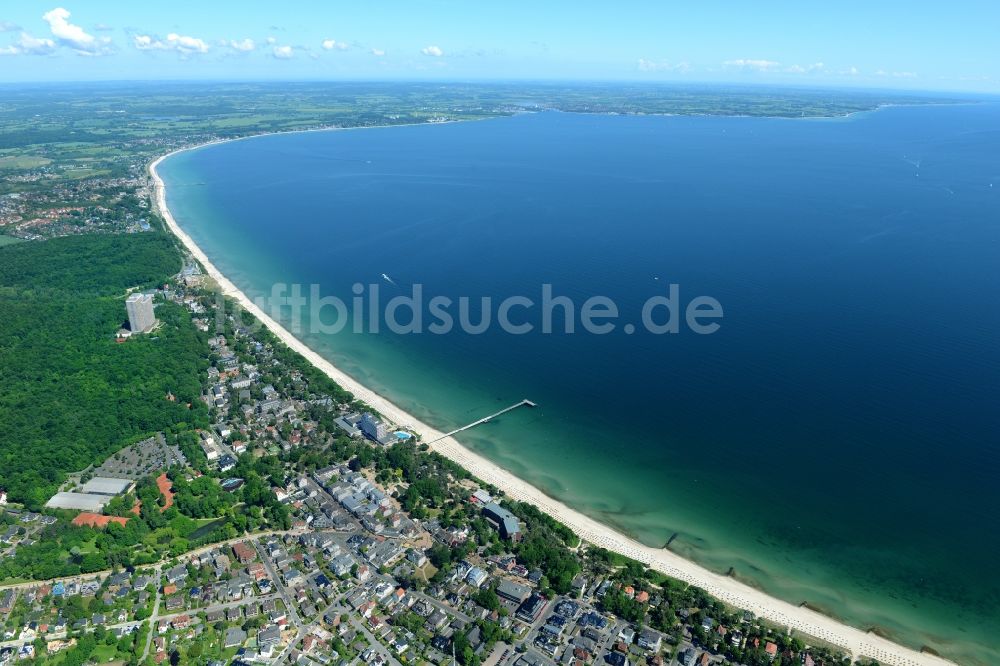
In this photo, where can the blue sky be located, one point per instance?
(884, 43)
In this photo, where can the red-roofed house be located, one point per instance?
(367, 608)
(244, 552)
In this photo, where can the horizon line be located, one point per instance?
(830, 87)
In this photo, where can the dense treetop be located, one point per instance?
(91, 264)
(69, 393)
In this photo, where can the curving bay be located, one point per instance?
(834, 443)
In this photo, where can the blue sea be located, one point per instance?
(834, 442)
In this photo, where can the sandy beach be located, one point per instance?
(731, 591)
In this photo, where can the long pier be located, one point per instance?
(523, 403)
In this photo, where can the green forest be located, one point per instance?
(70, 393)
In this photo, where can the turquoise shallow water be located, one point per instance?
(835, 442)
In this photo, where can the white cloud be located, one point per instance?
(645, 65)
(183, 44)
(332, 45)
(73, 36)
(851, 71)
(242, 45)
(282, 52)
(186, 44)
(433, 51)
(7, 26)
(799, 69)
(38, 46)
(271, 40)
(378, 53)
(756, 65)
(28, 45)
(897, 75)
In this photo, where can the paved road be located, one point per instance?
(18, 642)
(427, 598)
(279, 584)
(187, 555)
(305, 630)
(290, 606)
(222, 606)
(443, 607)
(381, 649)
(153, 618)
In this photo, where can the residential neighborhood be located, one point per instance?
(296, 526)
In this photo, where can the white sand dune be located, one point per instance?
(800, 619)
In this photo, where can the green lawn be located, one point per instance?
(88, 546)
(104, 653)
(23, 162)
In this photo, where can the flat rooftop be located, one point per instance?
(78, 501)
(105, 485)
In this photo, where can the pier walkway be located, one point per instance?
(522, 403)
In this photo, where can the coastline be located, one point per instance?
(724, 588)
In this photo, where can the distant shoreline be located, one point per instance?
(726, 589)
